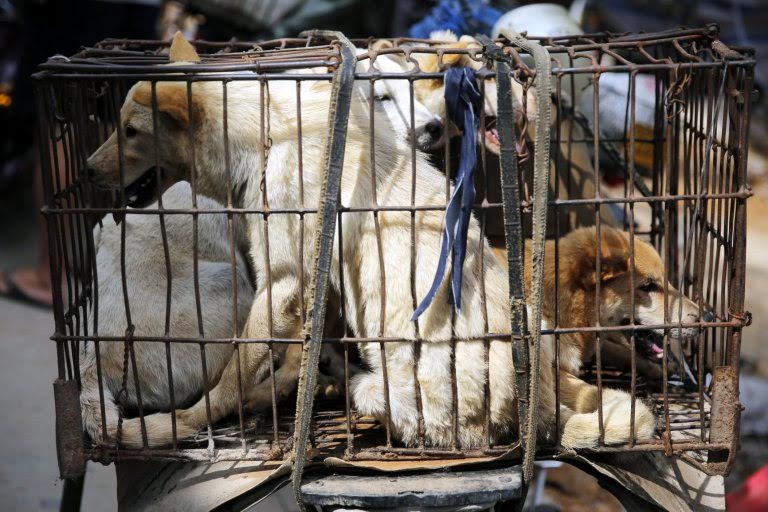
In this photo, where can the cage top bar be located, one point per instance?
(681, 46)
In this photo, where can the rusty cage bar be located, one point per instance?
(649, 137)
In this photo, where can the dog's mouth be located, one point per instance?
(491, 134)
(142, 191)
(650, 344)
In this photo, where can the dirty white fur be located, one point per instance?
(146, 282)
(361, 292)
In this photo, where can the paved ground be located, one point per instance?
(28, 471)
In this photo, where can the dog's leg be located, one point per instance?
(224, 395)
(286, 378)
(254, 357)
(582, 428)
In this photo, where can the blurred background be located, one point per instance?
(33, 30)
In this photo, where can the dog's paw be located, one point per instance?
(328, 387)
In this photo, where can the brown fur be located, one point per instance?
(575, 301)
(172, 100)
(182, 50)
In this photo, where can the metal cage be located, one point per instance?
(664, 117)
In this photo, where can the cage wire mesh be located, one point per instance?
(648, 138)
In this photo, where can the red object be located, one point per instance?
(613, 181)
(752, 496)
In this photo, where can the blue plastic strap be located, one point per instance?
(462, 101)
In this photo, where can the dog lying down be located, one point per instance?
(576, 305)
(146, 280)
(279, 181)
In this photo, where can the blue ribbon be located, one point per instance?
(462, 102)
(458, 16)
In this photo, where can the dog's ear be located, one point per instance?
(182, 50)
(382, 44)
(614, 256)
(172, 101)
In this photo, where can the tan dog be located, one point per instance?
(576, 296)
(278, 180)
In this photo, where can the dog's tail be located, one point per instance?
(159, 427)
(580, 422)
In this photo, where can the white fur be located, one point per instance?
(147, 281)
(361, 272)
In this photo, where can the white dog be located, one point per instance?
(147, 281)
(277, 183)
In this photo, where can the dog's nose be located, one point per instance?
(707, 317)
(434, 128)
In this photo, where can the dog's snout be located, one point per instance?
(434, 128)
(707, 317)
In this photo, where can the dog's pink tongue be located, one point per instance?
(492, 136)
(659, 351)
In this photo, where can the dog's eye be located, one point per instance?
(130, 131)
(383, 97)
(650, 287)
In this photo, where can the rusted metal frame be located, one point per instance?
(737, 283)
(658, 162)
(382, 270)
(598, 255)
(697, 127)
(167, 258)
(483, 294)
(647, 67)
(703, 183)
(700, 134)
(717, 243)
(263, 154)
(741, 194)
(420, 428)
(79, 258)
(67, 144)
(231, 236)
(730, 232)
(72, 72)
(115, 70)
(513, 234)
(699, 265)
(342, 304)
(333, 158)
(95, 305)
(63, 444)
(369, 454)
(58, 264)
(302, 277)
(670, 247)
(196, 261)
(129, 352)
(734, 323)
(569, 192)
(632, 270)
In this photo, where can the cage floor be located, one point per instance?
(683, 413)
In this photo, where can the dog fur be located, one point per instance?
(146, 282)
(275, 182)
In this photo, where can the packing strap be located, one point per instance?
(526, 343)
(327, 213)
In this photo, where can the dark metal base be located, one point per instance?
(482, 488)
(72, 495)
